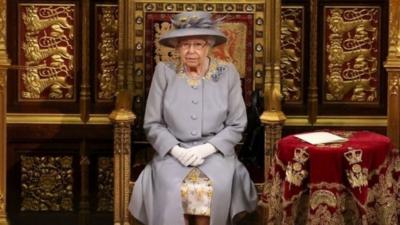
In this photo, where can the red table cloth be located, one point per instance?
(354, 182)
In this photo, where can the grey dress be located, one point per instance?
(177, 113)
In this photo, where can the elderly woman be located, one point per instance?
(194, 117)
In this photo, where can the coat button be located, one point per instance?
(194, 117)
(193, 133)
(195, 101)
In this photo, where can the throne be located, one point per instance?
(247, 25)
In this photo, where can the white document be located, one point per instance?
(320, 137)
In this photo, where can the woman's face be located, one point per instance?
(193, 51)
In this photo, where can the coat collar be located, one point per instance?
(214, 72)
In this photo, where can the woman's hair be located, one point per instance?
(211, 41)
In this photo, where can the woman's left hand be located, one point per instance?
(203, 151)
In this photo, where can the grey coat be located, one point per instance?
(177, 113)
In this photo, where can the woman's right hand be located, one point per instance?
(186, 157)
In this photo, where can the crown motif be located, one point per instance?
(301, 155)
(353, 156)
(295, 172)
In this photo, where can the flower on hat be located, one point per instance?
(193, 21)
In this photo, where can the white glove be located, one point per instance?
(197, 162)
(203, 151)
(184, 156)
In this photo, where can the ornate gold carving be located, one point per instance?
(394, 29)
(357, 176)
(323, 197)
(163, 53)
(38, 79)
(2, 80)
(34, 53)
(122, 184)
(49, 17)
(108, 50)
(342, 21)
(105, 179)
(46, 183)
(291, 53)
(2, 202)
(123, 108)
(295, 172)
(394, 83)
(398, 32)
(3, 23)
(122, 138)
(48, 50)
(272, 133)
(352, 49)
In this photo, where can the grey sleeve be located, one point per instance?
(154, 125)
(236, 121)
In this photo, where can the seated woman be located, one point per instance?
(195, 115)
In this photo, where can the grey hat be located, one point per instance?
(196, 23)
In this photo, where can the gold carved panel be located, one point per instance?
(46, 47)
(292, 62)
(2, 23)
(2, 81)
(107, 51)
(105, 184)
(394, 28)
(46, 183)
(351, 56)
(242, 23)
(2, 202)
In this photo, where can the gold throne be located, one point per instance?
(253, 46)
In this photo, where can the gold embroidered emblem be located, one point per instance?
(323, 197)
(357, 175)
(196, 193)
(353, 156)
(295, 172)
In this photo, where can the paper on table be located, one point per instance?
(320, 137)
